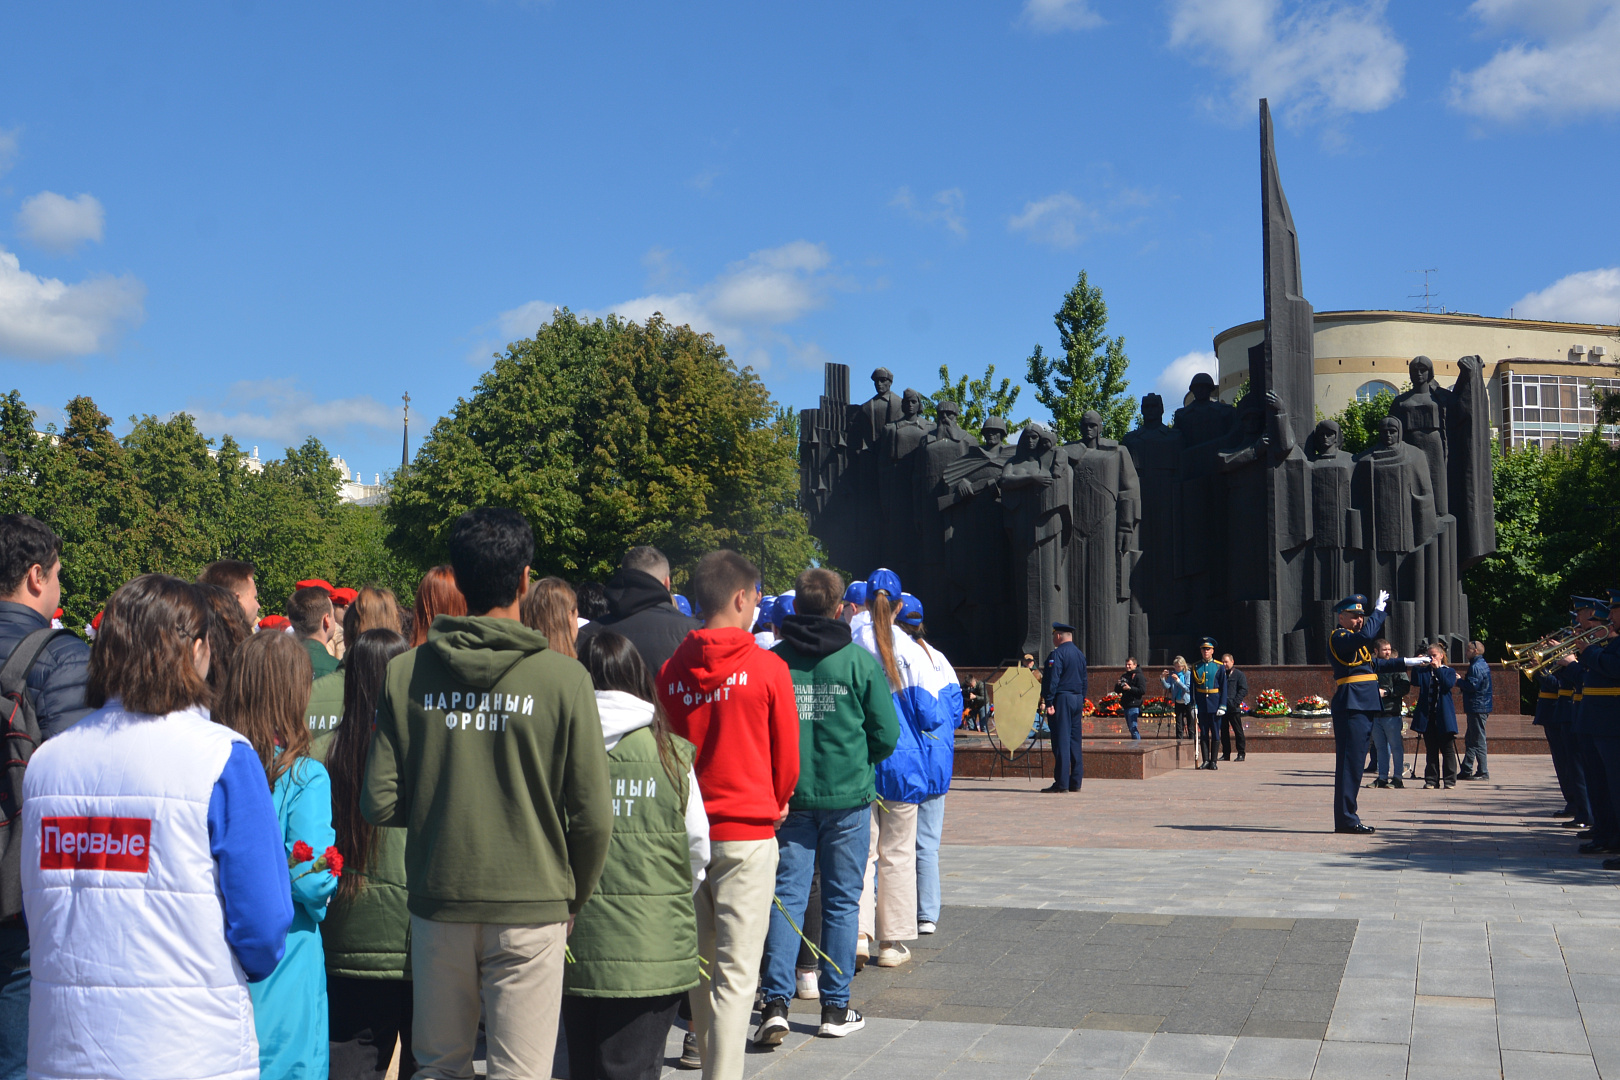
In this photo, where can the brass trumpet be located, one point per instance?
(1536, 657)
(1520, 651)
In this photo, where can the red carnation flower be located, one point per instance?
(302, 852)
(334, 861)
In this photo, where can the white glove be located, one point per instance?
(1417, 661)
(1383, 600)
(1221, 711)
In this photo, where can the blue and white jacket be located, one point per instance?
(920, 766)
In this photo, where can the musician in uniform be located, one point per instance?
(1355, 699)
(1063, 684)
(1606, 672)
(1592, 730)
(1209, 700)
(1555, 712)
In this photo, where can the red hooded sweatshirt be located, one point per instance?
(734, 702)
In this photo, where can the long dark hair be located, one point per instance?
(265, 696)
(614, 664)
(227, 629)
(365, 665)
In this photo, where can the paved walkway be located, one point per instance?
(1480, 944)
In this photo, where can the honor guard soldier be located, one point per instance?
(1355, 699)
(1209, 700)
(1597, 726)
(1063, 684)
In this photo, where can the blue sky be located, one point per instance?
(279, 217)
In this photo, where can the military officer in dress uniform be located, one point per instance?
(1209, 700)
(1063, 684)
(1602, 693)
(1355, 701)
(1555, 715)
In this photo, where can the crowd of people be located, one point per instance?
(243, 846)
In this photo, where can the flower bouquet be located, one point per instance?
(331, 860)
(1109, 706)
(1090, 708)
(1311, 705)
(1156, 706)
(1271, 703)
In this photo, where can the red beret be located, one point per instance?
(344, 596)
(315, 583)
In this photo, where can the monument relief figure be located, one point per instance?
(940, 447)
(1037, 488)
(1205, 417)
(1103, 551)
(1422, 412)
(1468, 464)
(879, 412)
(1155, 451)
(1335, 529)
(976, 554)
(897, 448)
(1394, 490)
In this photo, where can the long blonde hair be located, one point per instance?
(1179, 664)
(264, 698)
(883, 609)
(552, 607)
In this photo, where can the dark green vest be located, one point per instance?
(637, 934)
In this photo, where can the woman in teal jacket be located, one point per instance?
(264, 698)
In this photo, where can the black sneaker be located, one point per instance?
(1396, 782)
(839, 1020)
(773, 1023)
(690, 1058)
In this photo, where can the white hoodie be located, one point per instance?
(623, 713)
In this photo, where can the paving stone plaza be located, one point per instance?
(1213, 925)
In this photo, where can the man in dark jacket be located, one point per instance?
(1477, 702)
(1237, 690)
(30, 590)
(1131, 691)
(640, 607)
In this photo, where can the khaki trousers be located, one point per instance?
(733, 913)
(889, 900)
(514, 970)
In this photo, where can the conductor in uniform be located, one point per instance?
(1063, 684)
(1355, 699)
(1209, 700)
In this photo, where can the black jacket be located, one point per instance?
(1130, 689)
(57, 678)
(639, 607)
(1237, 688)
(1393, 686)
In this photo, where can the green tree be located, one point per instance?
(980, 398)
(1358, 421)
(1090, 375)
(605, 434)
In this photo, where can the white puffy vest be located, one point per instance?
(132, 977)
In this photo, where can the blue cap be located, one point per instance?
(683, 605)
(782, 608)
(1599, 606)
(1208, 643)
(1063, 627)
(1354, 604)
(883, 580)
(856, 593)
(1614, 596)
(911, 610)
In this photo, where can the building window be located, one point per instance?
(1369, 390)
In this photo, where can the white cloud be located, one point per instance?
(275, 413)
(8, 149)
(58, 223)
(1177, 376)
(1050, 16)
(944, 208)
(46, 318)
(743, 307)
(1059, 220)
(1590, 296)
(1310, 57)
(1569, 72)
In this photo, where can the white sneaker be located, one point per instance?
(863, 951)
(809, 985)
(926, 927)
(892, 954)
(839, 1020)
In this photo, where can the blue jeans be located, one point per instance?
(838, 840)
(15, 981)
(1387, 745)
(1130, 722)
(930, 824)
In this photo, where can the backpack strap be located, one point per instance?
(14, 675)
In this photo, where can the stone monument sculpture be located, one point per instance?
(1102, 549)
(977, 559)
(1037, 490)
(1155, 451)
(1335, 531)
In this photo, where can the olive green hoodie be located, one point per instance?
(488, 751)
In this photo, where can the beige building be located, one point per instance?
(1541, 373)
